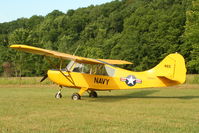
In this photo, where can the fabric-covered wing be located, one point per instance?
(45, 52)
(119, 62)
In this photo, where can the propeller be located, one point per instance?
(44, 77)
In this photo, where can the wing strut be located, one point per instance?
(68, 76)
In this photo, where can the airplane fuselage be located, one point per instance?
(123, 79)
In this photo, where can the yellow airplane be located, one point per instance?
(93, 75)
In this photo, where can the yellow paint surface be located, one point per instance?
(171, 71)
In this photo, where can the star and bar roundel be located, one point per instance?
(130, 80)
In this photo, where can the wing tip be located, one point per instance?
(115, 62)
(15, 45)
(129, 63)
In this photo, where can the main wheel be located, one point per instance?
(93, 94)
(76, 96)
(58, 95)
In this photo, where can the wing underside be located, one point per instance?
(55, 54)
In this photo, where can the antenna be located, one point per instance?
(76, 49)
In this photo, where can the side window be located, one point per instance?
(70, 66)
(110, 71)
(98, 70)
(95, 69)
(78, 68)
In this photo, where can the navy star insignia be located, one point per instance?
(131, 80)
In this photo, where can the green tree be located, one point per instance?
(140, 31)
(19, 36)
(191, 35)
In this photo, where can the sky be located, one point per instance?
(13, 9)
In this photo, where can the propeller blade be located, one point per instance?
(45, 76)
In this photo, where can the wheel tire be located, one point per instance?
(93, 94)
(58, 95)
(76, 96)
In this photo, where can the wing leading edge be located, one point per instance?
(55, 54)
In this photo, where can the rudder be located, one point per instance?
(172, 67)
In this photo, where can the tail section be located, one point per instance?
(172, 67)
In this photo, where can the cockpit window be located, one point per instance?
(95, 69)
(110, 71)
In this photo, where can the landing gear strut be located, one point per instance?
(58, 94)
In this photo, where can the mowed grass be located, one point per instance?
(32, 108)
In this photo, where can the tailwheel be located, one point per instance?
(93, 94)
(76, 96)
(58, 95)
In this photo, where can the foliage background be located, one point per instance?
(140, 31)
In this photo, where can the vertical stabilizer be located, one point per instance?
(172, 67)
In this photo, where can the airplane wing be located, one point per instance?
(51, 53)
(119, 62)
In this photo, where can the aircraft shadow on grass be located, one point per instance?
(140, 94)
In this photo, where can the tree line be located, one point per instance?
(140, 31)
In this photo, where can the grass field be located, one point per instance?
(33, 108)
